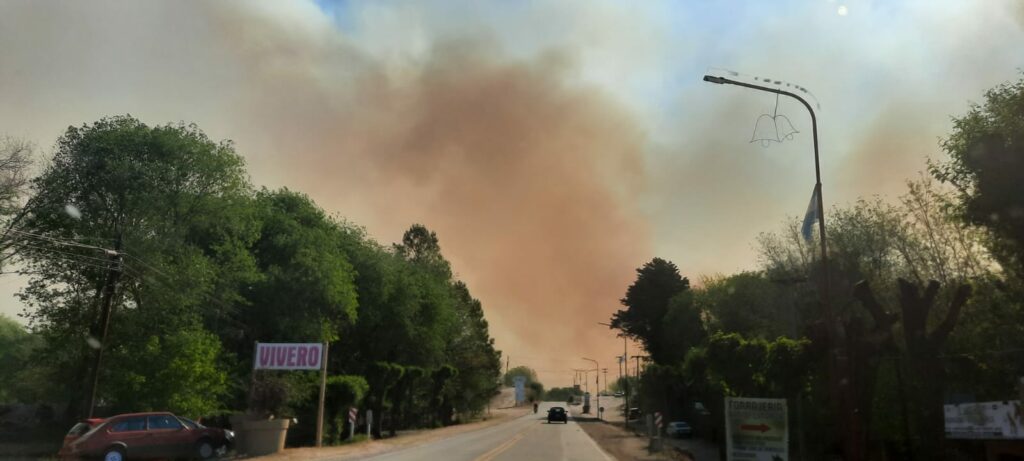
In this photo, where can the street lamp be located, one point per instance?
(597, 368)
(625, 363)
(817, 173)
(839, 368)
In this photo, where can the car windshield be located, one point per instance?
(79, 429)
(191, 424)
(93, 430)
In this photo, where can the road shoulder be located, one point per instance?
(618, 442)
(401, 441)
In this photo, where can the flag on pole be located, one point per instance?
(811, 216)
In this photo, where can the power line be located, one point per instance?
(59, 241)
(80, 262)
(52, 250)
(149, 266)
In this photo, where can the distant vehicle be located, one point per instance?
(679, 429)
(146, 435)
(557, 414)
(635, 413)
(619, 394)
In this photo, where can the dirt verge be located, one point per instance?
(621, 444)
(403, 440)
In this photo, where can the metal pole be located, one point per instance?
(839, 369)
(625, 368)
(109, 287)
(597, 370)
(323, 392)
(817, 178)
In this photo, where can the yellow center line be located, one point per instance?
(494, 452)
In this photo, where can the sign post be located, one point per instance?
(320, 407)
(656, 436)
(756, 429)
(352, 415)
(369, 423)
(296, 356)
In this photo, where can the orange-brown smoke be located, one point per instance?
(530, 181)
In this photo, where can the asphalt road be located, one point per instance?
(527, 437)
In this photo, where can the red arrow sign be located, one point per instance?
(752, 427)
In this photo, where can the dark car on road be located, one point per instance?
(146, 435)
(557, 414)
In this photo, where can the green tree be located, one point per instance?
(174, 204)
(751, 304)
(647, 302)
(17, 346)
(343, 392)
(470, 349)
(307, 290)
(986, 166)
(179, 372)
(421, 246)
(522, 370)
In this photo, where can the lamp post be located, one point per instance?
(839, 369)
(625, 364)
(597, 386)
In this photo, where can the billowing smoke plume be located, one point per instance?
(554, 147)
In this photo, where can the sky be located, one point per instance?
(554, 146)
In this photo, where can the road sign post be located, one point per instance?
(296, 356)
(656, 432)
(353, 414)
(756, 429)
(320, 405)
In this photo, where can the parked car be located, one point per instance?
(634, 413)
(80, 429)
(557, 414)
(619, 394)
(146, 435)
(679, 429)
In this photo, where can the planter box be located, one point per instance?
(258, 437)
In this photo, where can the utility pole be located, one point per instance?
(109, 288)
(638, 357)
(507, 359)
(606, 380)
(597, 383)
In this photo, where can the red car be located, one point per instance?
(80, 429)
(145, 435)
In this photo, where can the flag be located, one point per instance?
(811, 216)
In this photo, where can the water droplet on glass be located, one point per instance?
(93, 342)
(72, 211)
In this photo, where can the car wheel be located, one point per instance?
(114, 454)
(204, 449)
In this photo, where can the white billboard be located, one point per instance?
(288, 356)
(520, 383)
(756, 429)
(985, 420)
